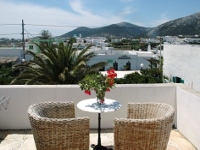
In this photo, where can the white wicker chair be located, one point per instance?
(55, 127)
(147, 127)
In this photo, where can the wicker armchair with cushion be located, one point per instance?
(55, 127)
(147, 127)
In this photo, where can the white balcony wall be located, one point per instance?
(183, 61)
(22, 96)
(188, 114)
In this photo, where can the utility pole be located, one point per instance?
(161, 59)
(23, 42)
(160, 40)
(160, 53)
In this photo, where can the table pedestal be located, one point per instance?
(91, 105)
(98, 146)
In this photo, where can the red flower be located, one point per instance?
(111, 73)
(108, 90)
(99, 83)
(87, 92)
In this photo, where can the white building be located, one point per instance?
(183, 61)
(119, 59)
(122, 59)
(12, 52)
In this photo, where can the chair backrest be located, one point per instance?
(149, 110)
(53, 109)
(55, 127)
(147, 127)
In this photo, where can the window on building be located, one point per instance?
(128, 64)
(30, 46)
(115, 65)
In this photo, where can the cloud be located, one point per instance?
(62, 20)
(127, 11)
(77, 6)
(85, 17)
(13, 13)
(163, 19)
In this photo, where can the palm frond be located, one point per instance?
(56, 64)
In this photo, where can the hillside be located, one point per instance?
(189, 25)
(123, 29)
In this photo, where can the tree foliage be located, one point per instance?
(154, 74)
(5, 74)
(132, 44)
(56, 64)
(45, 34)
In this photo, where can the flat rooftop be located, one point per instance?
(23, 140)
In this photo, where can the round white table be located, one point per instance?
(91, 105)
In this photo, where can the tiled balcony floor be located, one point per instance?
(23, 140)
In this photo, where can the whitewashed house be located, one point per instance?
(122, 59)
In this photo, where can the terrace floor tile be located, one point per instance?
(23, 140)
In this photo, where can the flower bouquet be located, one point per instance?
(99, 83)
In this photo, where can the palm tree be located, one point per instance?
(56, 64)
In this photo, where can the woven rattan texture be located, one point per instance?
(147, 127)
(55, 127)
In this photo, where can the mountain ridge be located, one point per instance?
(189, 25)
